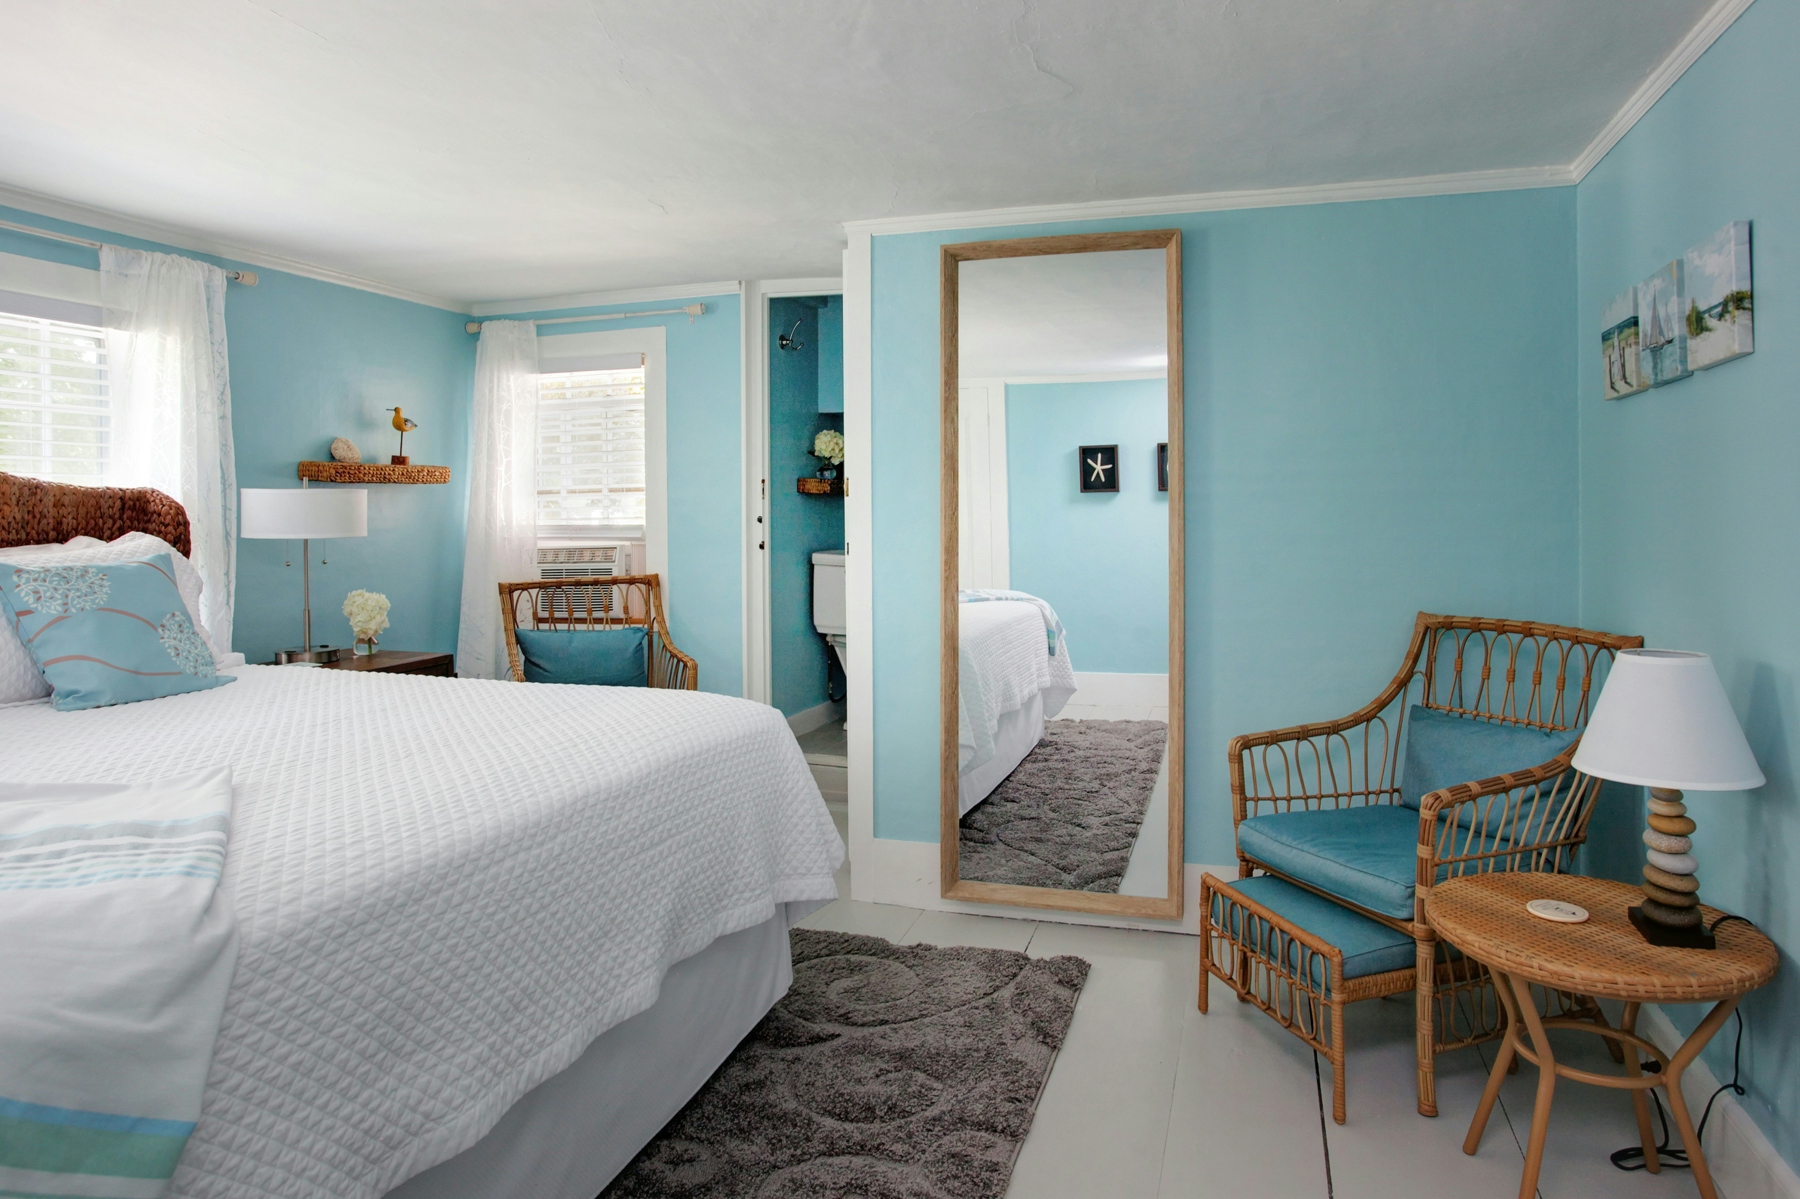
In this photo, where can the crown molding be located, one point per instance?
(602, 299)
(1686, 53)
(1460, 183)
(102, 222)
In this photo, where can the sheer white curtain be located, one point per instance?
(502, 536)
(170, 394)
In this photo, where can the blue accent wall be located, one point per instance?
(1379, 420)
(311, 361)
(1101, 559)
(799, 524)
(706, 470)
(1690, 503)
(831, 355)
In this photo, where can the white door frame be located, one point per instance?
(759, 683)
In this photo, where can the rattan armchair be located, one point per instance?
(1503, 671)
(598, 603)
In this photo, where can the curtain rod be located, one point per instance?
(247, 278)
(692, 310)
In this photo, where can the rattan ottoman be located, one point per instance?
(1300, 958)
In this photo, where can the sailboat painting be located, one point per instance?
(1619, 346)
(1717, 274)
(1662, 326)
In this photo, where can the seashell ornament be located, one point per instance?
(344, 450)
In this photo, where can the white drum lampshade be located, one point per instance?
(1662, 721)
(302, 514)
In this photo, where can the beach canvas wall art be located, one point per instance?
(1719, 310)
(1619, 338)
(1662, 326)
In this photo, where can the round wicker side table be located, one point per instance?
(1484, 916)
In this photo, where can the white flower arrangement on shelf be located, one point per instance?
(368, 613)
(829, 445)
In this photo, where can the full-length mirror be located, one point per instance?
(1062, 588)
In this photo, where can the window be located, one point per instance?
(590, 457)
(55, 418)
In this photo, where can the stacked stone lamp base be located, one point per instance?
(1670, 914)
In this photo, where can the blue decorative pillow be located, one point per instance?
(597, 657)
(1443, 750)
(108, 633)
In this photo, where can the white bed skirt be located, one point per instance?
(1015, 735)
(572, 1134)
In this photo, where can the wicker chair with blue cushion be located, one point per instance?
(598, 631)
(1460, 765)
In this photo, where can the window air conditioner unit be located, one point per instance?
(605, 559)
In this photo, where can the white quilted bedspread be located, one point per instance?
(1002, 661)
(445, 888)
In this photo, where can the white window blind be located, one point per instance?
(590, 462)
(55, 421)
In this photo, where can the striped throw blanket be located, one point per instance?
(119, 946)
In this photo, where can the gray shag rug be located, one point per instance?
(887, 1072)
(1068, 816)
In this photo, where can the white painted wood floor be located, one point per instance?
(1150, 1098)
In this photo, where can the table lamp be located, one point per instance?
(301, 514)
(1662, 721)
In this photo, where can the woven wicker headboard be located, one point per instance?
(33, 512)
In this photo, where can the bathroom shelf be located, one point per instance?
(819, 486)
(372, 472)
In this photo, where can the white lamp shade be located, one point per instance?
(1662, 720)
(296, 513)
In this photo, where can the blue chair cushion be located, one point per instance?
(1365, 854)
(596, 657)
(1369, 947)
(1443, 750)
(108, 633)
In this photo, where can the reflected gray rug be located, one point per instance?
(887, 1072)
(1069, 815)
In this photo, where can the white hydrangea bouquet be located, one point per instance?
(829, 446)
(368, 613)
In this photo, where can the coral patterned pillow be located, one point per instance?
(107, 633)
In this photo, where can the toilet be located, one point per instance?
(828, 599)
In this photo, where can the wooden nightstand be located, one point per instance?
(398, 661)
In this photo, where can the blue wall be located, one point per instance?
(1100, 558)
(1690, 500)
(311, 361)
(831, 355)
(799, 524)
(1378, 421)
(706, 469)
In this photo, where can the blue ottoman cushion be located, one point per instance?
(1369, 947)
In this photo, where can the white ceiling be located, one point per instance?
(477, 150)
(1062, 314)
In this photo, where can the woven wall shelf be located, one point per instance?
(372, 472)
(819, 486)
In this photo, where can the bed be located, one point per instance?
(501, 930)
(1009, 684)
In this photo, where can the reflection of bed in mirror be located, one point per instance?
(1015, 672)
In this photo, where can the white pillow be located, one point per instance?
(20, 679)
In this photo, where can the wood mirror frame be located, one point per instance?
(1168, 907)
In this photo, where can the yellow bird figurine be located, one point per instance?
(405, 426)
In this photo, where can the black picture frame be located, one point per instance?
(1097, 468)
(1162, 466)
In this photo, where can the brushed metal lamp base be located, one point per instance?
(321, 655)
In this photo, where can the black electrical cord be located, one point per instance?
(1632, 1158)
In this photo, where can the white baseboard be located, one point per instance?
(1743, 1162)
(1095, 688)
(905, 873)
(815, 717)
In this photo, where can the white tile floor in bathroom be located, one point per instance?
(1151, 1098)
